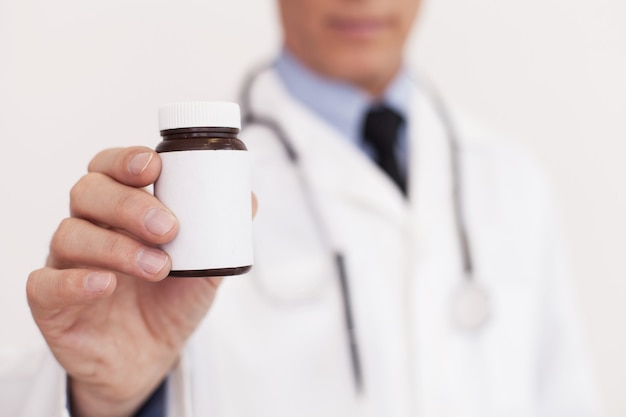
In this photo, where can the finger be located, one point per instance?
(79, 242)
(102, 200)
(50, 291)
(137, 166)
(255, 205)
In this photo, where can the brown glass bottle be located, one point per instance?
(205, 182)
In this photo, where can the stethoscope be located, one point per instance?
(470, 305)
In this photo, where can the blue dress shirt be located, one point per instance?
(155, 405)
(344, 106)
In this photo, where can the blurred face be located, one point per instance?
(358, 41)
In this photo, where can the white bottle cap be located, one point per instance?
(200, 114)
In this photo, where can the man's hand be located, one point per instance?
(101, 302)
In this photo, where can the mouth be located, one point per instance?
(358, 28)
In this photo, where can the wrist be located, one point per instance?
(91, 401)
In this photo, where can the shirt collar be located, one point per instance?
(340, 104)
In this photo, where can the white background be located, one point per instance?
(78, 76)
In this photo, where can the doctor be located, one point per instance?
(378, 333)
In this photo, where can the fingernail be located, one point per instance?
(159, 221)
(151, 260)
(139, 163)
(98, 281)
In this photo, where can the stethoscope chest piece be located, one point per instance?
(471, 307)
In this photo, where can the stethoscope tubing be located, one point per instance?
(455, 168)
(249, 117)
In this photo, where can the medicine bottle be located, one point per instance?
(205, 182)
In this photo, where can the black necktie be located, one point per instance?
(380, 131)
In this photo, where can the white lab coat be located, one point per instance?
(275, 343)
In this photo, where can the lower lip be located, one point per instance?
(358, 29)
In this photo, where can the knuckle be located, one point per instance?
(92, 163)
(95, 162)
(79, 189)
(32, 289)
(38, 287)
(128, 202)
(113, 247)
(62, 238)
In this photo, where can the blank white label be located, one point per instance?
(209, 192)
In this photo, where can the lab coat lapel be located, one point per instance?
(430, 180)
(332, 164)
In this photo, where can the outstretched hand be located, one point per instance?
(102, 303)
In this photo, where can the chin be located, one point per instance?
(363, 68)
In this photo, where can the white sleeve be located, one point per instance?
(32, 383)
